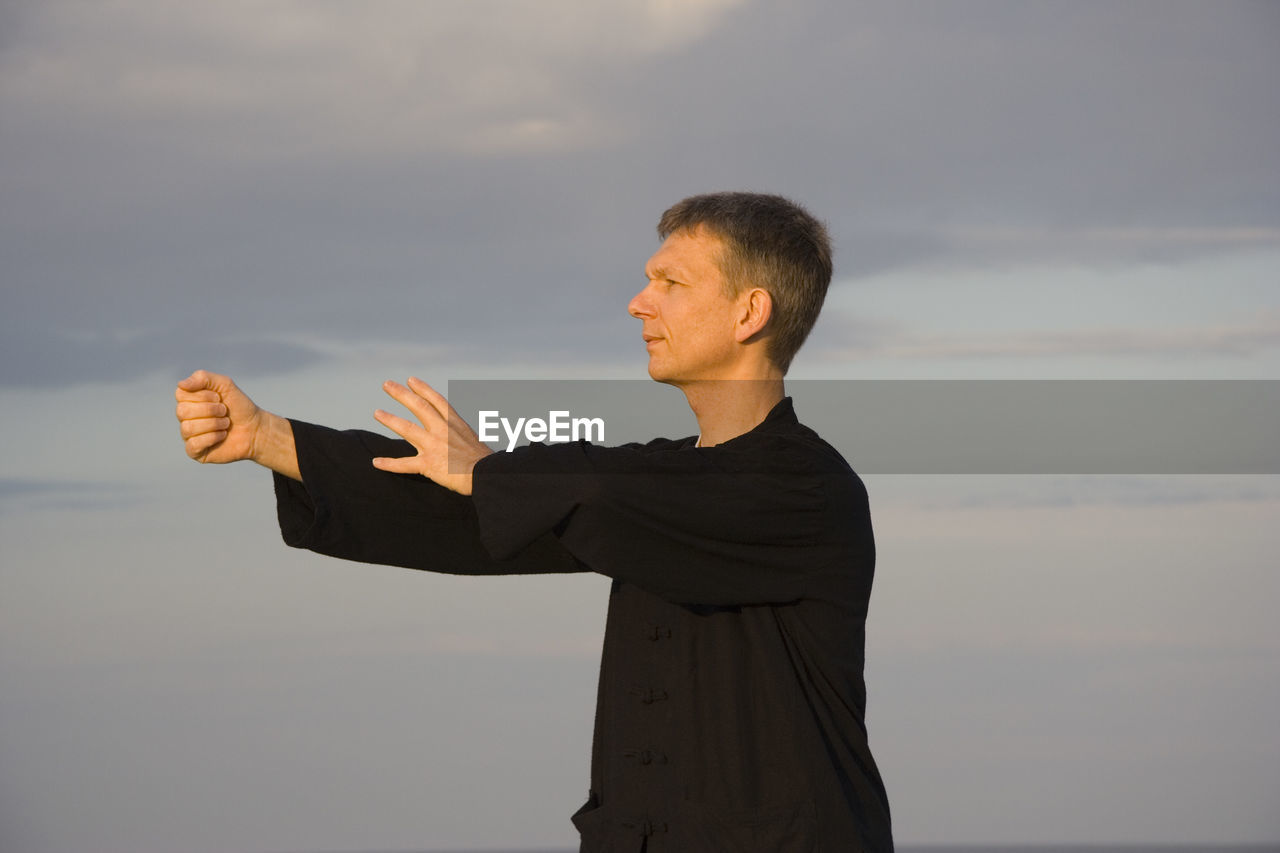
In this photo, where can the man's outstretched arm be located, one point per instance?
(220, 424)
(349, 508)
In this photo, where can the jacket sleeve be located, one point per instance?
(758, 521)
(344, 507)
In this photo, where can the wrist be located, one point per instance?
(272, 446)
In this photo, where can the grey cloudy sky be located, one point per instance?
(316, 196)
(180, 175)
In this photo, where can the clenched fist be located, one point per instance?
(218, 421)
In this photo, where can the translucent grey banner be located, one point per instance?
(931, 427)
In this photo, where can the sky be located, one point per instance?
(317, 196)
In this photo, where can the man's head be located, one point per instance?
(769, 243)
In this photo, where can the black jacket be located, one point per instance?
(731, 703)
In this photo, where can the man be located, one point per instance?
(730, 714)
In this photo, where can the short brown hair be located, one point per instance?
(771, 243)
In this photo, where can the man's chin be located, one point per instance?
(658, 374)
(665, 378)
(657, 377)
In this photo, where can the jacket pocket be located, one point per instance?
(602, 831)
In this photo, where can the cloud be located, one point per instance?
(846, 339)
(29, 359)
(1013, 244)
(374, 78)
(19, 495)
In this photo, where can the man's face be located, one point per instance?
(688, 320)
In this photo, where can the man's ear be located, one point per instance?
(757, 308)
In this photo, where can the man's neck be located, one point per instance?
(727, 408)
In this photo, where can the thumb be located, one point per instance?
(396, 465)
(198, 381)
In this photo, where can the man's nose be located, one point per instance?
(640, 307)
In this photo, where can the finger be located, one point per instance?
(187, 411)
(414, 402)
(437, 400)
(196, 396)
(202, 426)
(440, 403)
(201, 379)
(396, 464)
(406, 429)
(202, 444)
